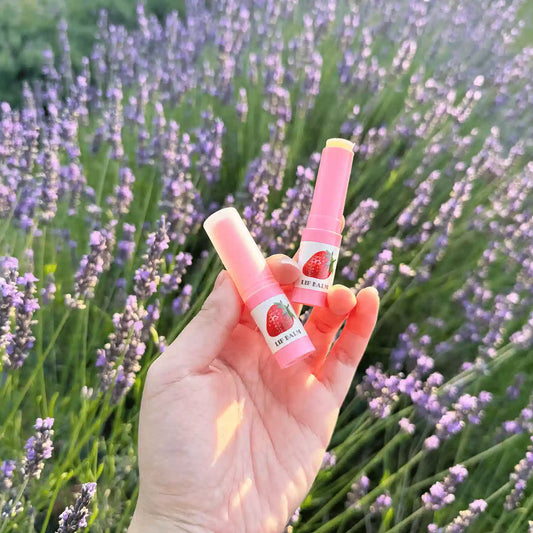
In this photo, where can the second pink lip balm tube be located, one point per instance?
(262, 294)
(321, 238)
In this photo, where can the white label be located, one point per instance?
(278, 322)
(317, 262)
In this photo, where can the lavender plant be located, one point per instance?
(106, 175)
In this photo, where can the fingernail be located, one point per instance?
(288, 261)
(220, 278)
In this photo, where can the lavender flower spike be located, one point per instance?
(522, 472)
(383, 502)
(328, 461)
(124, 343)
(380, 273)
(442, 493)
(74, 517)
(147, 277)
(6, 475)
(357, 491)
(121, 200)
(91, 267)
(171, 282)
(466, 518)
(10, 296)
(38, 448)
(21, 341)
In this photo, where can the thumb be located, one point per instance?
(205, 335)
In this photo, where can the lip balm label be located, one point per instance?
(317, 262)
(278, 322)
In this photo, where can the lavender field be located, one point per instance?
(107, 174)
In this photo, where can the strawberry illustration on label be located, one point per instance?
(319, 265)
(279, 318)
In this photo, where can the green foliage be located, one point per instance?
(27, 27)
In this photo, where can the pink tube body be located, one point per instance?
(321, 238)
(262, 294)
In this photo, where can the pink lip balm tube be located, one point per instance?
(321, 238)
(262, 294)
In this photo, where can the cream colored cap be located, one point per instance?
(337, 142)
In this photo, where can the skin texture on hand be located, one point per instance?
(228, 441)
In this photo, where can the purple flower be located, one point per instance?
(21, 341)
(48, 292)
(524, 337)
(380, 390)
(147, 276)
(358, 223)
(357, 491)
(209, 147)
(406, 426)
(242, 105)
(277, 103)
(380, 273)
(463, 520)
(92, 267)
(10, 297)
(121, 200)
(126, 246)
(118, 361)
(432, 443)
(383, 503)
(114, 121)
(6, 475)
(411, 351)
(38, 448)
(292, 521)
(328, 461)
(75, 517)
(180, 200)
(50, 182)
(467, 408)
(442, 493)
(182, 303)
(411, 215)
(521, 475)
(171, 282)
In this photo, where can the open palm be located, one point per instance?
(228, 441)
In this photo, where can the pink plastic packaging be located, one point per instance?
(262, 294)
(321, 238)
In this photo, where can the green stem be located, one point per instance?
(342, 493)
(398, 527)
(467, 463)
(357, 525)
(517, 523)
(34, 373)
(64, 477)
(101, 181)
(40, 322)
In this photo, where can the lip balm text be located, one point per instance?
(287, 337)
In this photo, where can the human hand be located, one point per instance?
(228, 441)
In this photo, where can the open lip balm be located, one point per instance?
(262, 294)
(321, 238)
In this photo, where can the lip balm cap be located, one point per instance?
(337, 142)
(331, 185)
(238, 251)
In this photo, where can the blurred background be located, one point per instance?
(28, 27)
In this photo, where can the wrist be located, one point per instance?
(143, 522)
